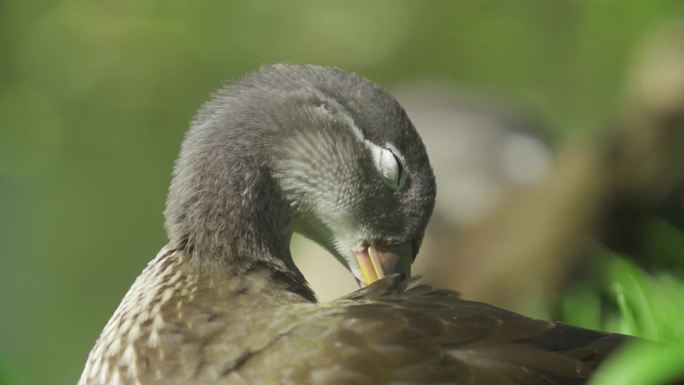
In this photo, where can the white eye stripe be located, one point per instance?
(329, 105)
(388, 164)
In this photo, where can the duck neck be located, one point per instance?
(228, 215)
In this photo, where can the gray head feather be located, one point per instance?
(289, 148)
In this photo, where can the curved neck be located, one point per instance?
(227, 212)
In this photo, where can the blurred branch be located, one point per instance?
(529, 246)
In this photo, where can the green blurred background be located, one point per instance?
(95, 97)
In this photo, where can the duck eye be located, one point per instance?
(389, 165)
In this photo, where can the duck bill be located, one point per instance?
(376, 262)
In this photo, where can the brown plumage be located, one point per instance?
(176, 326)
(331, 155)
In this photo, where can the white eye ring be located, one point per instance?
(389, 165)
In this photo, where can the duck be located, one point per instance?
(333, 156)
